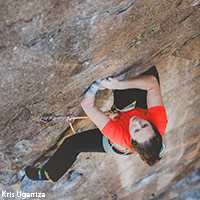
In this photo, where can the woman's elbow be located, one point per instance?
(83, 102)
(153, 82)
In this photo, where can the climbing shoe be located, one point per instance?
(37, 174)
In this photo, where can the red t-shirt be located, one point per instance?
(117, 130)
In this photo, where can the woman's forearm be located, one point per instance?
(96, 115)
(87, 101)
(145, 82)
(89, 94)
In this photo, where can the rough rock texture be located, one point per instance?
(51, 50)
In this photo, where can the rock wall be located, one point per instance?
(51, 50)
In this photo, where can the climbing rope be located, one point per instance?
(70, 120)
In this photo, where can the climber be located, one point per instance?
(139, 130)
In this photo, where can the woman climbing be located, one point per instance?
(137, 130)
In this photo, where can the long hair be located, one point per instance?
(149, 151)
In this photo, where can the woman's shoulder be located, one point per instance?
(157, 115)
(158, 110)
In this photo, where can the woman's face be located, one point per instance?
(140, 129)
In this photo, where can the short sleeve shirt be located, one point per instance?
(117, 130)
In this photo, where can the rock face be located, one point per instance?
(51, 50)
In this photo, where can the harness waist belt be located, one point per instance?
(118, 150)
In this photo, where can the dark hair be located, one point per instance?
(149, 151)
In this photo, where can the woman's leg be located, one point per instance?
(123, 98)
(65, 156)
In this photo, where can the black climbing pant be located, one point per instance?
(65, 156)
(91, 140)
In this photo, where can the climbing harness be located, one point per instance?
(49, 117)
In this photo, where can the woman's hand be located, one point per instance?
(111, 83)
(94, 87)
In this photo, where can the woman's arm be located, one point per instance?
(144, 82)
(88, 105)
